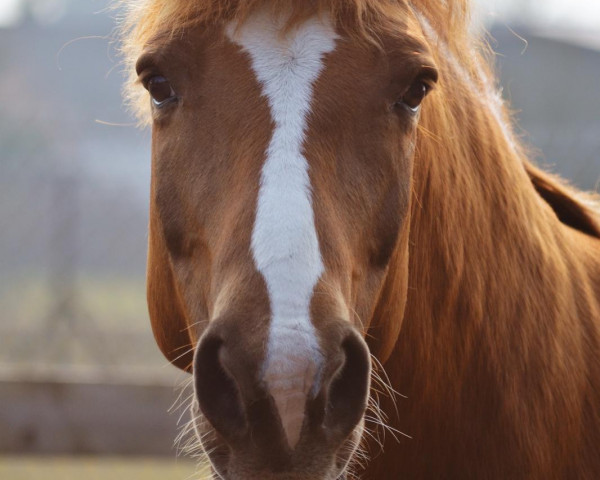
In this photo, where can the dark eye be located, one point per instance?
(413, 97)
(160, 90)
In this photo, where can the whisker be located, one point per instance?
(190, 350)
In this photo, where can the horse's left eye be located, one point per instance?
(415, 95)
(160, 90)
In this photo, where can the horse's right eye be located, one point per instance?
(160, 90)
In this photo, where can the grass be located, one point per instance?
(92, 468)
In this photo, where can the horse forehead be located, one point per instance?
(284, 58)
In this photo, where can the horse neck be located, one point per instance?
(491, 268)
(501, 330)
(475, 216)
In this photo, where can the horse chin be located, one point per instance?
(226, 466)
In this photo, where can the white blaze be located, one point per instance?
(285, 246)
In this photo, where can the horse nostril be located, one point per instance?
(217, 392)
(348, 391)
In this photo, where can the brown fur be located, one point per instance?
(499, 352)
(474, 276)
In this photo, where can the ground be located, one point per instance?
(67, 468)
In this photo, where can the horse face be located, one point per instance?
(281, 181)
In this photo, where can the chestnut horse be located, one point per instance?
(338, 180)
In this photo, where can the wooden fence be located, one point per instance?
(87, 414)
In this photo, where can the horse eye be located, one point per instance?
(160, 90)
(415, 95)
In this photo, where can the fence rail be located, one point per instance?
(63, 416)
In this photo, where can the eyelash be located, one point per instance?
(160, 89)
(414, 96)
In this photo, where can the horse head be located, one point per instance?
(282, 151)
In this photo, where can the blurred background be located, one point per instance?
(83, 388)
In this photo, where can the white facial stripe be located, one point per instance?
(284, 240)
